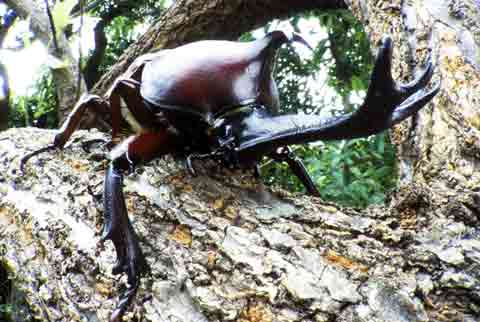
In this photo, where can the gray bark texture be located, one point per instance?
(222, 247)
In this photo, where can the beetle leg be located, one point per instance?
(121, 88)
(256, 171)
(298, 168)
(117, 226)
(215, 155)
(87, 144)
(223, 153)
(69, 126)
(125, 88)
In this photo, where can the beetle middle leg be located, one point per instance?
(298, 168)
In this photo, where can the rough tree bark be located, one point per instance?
(224, 248)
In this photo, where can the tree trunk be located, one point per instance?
(438, 150)
(4, 97)
(64, 70)
(224, 248)
(5, 87)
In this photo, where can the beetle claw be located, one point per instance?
(86, 145)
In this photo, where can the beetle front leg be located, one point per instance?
(117, 226)
(125, 88)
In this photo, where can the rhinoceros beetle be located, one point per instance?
(218, 100)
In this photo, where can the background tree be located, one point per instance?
(117, 19)
(63, 65)
(6, 21)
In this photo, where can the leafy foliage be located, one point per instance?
(350, 49)
(39, 107)
(353, 173)
(292, 78)
(120, 34)
(6, 311)
(139, 11)
(61, 15)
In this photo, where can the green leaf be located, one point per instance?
(357, 84)
(61, 14)
(380, 142)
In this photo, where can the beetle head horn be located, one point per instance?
(295, 37)
(281, 37)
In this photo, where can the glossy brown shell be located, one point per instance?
(209, 76)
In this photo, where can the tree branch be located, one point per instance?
(91, 73)
(65, 78)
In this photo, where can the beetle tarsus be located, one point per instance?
(257, 173)
(189, 165)
(195, 156)
(124, 302)
(28, 156)
(87, 145)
